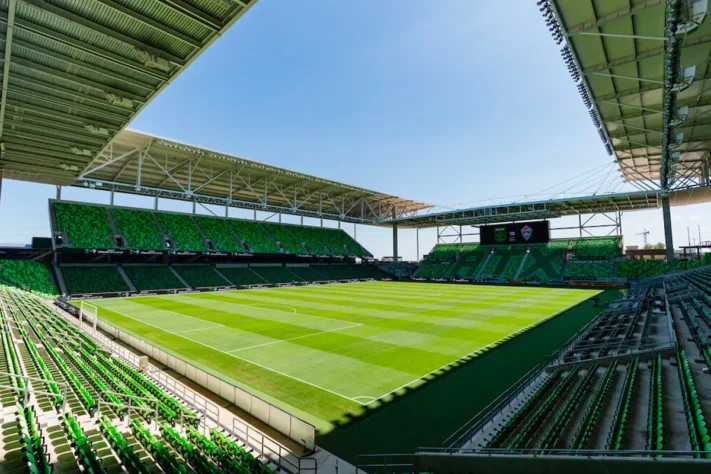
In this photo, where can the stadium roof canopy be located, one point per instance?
(574, 206)
(642, 69)
(138, 163)
(74, 73)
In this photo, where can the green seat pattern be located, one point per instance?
(85, 226)
(28, 274)
(589, 270)
(276, 274)
(597, 248)
(242, 276)
(254, 235)
(139, 228)
(93, 279)
(282, 235)
(199, 276)
(152, 277)
(218, 230)
(183, 231)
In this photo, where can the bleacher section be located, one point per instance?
(276, 274)
(596, 270)
(55, 426)
(152, 277)
(284, 237)
(88, 226)
(182, 230)
(632, 380)
(138, 227)
(199, 276)
(241, 276)
(93, 279)
(597, 248)
(219, 231)
(29, 275)
(85, 226)
(545, 262)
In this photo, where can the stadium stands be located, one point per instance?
(28, 274)
(595, 270)
(182, 230)
(85, 226)
(313, 238)
(597, 248)
(138, 227)
(152, 277)
(340, 243)
(284, 237)
(200, 276)
(93, 279)
(219, 232)
(49, 433)
(350, 272)
(306, 273)
(544, 262)
(276, 274)
(241, 276)
(254, 235)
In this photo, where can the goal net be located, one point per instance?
(89, 313)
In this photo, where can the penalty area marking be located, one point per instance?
(245, 360)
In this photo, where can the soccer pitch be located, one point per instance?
(322, 352)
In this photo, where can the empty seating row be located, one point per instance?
(655, 420)
(698, 432)
(621, 418)
(93, 279)
(593, 411)
(28, 274)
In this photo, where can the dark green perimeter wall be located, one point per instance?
(426, 416)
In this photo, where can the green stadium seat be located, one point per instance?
(28, 274)
(85, 226)
(182, 230)
(199, 276)
(87, 279)
(254, 235)
(152, 277)
(241, 276)
(219, 232)
(138, 227)
(280, 233)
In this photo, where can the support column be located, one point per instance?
(255, 214)
(1, 177)
(339, 224)
(59, 193)
(194, 206)
(302, 220)
(227, 211)
(155, 203)
(111, 198)
(355, 231)
(280, 218)
(417, 243)
(668, 240)
(394, 242)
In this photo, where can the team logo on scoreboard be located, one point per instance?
(500, 234)
(526, 232)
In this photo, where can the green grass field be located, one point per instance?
(327, 353)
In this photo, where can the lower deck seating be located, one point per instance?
(28, 274)
(350, 272)
(432, 270)
(152, 277)
(589, 270)
(241, 276)
(307, 273)
(93, 279)
(50, 433)
(276, 274)
(198, 276)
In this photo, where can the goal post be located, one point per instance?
(88, 312)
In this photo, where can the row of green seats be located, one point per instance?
(182, 230)
(275, 274)
(219, 232)
(28, 274)
(698, 432)
(589, 270)
(593, 411)
(597, 248)
(432, 270)
(655, 419)
(281, 234)
(254, 235)
(85, 226)
(242, 276)
(152, 277)
(199, 276)
(93, 279)
(138, 227)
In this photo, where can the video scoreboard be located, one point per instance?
(537, 232)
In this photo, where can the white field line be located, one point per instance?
(148, 310)
(246, 360)
(200, 329)
(400, 297)
(293, 338)
(285, 312)
(513, 334)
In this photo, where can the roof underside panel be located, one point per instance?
(620, 48)
(74, 73)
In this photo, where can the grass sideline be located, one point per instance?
(333, 353)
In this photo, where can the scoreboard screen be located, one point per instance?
(519, 233)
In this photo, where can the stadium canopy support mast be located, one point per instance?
(588, 226)
(668, 239)
(395, 243)
(453, 234)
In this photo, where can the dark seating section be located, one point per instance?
(69, 428)
(93, 279)
(152, 277)
(219, 231)
(200, 275)
(241, 275)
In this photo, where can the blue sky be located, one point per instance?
(434, 101)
